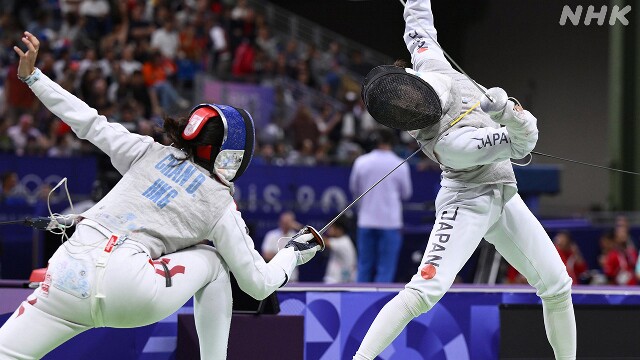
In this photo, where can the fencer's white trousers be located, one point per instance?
(464, 217)
(497, 213)
(130, 290)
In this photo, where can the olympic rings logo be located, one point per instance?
(32, 187)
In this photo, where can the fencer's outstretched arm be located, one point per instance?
(470, 146)
(123, 147)
(418, 19)
(255, 277)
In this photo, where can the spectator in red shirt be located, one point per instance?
(614, 262)
(242, 66)
(571, 256)
(19, 97)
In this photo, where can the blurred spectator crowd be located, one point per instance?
(136, 61)
(617, 262)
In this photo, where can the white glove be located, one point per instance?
(305, 244)
(502, 110)
(521, 124)
(498, 109)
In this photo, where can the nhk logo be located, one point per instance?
(617, 14)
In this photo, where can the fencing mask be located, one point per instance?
(233, 157)
(400, 99)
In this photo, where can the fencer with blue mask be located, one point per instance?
(136, 256)
(472, 135)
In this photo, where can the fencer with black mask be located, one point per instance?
(135, 256)
(443, 110)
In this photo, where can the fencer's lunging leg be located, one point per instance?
(31, 333)
(462, 219)
(389, 323)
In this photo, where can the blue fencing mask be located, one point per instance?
(232, 158)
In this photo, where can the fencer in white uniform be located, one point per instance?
(136, 256)
(478, 196)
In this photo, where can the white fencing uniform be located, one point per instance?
(478, 199)
(135, 258)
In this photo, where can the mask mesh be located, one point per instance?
(400, 100)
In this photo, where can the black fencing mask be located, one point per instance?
(399, 99)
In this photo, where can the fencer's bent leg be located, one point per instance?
(56, 311)
(212, 311)
(524, 243)
(462, 217)
(139, 292)
(31, 333)
(162, 286)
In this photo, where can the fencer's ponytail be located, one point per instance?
(173, 128)
(211, 134)
(401, 63)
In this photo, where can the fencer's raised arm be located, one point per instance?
(418, 19)
(471, 146)
(123, 147)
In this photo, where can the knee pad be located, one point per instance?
(555, 285)
(558, 301)
(415, 301)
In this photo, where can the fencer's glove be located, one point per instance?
(522, 125)
(502, 110)
(305, 244)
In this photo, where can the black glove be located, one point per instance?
(305, 244)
